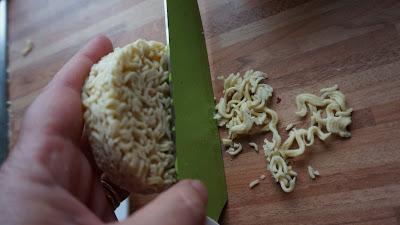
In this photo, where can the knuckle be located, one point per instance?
(191, 201)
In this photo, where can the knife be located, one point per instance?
(198, 148)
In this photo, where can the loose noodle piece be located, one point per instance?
(235, 149)
(244, 103)
(338, 115)
(227, 142)
(312, 172)
(254, 146)
(254, 183)
(337, 119)
(28, 47)
(289, 126)
(333, 88)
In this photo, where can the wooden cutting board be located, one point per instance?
(303, 46)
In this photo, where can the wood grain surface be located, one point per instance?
(303, 46)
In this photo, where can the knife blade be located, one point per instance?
(197, 142)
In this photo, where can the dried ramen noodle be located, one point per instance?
(254, 183)
(244, 106)
(312, 172)
(235, 149)
(127, 113)
(254, 146)
(338, 117)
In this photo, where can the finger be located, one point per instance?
(52, 129)
(57, 110)
(182, 204)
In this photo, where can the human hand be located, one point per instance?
(48, 180)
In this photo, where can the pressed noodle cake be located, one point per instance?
(127, 113)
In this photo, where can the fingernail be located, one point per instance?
(200, 188)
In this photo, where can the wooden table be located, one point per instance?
(303, 46)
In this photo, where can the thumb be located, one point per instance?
(184, 203)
